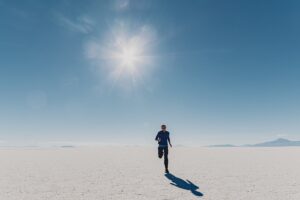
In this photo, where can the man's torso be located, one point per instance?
(163, 137)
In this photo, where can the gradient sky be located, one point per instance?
(214, 71)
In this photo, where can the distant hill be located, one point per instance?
(280, 142)
(67, 146)
(222, 145)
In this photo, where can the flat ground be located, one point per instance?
(96, 173)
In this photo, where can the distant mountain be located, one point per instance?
(280, 142)
(67, 146)
(222, 145)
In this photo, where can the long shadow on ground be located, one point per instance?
(186, 185)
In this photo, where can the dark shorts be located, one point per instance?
(163, 151)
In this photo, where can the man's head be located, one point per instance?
(163, 127)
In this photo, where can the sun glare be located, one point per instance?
(129, 56)
(126, 54)
(129, 53)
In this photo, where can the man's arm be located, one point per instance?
(169, 141)
(156, 138)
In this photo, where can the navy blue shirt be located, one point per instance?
(163, 137)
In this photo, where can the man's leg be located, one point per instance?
(160, 152)
(166, 160)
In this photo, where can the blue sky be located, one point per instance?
(112, 71)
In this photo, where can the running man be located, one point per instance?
(163, 137)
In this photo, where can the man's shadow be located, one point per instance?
(186, 185)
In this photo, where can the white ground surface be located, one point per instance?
(128, 173)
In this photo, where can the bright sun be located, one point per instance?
(126, 54)
(130, 56)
